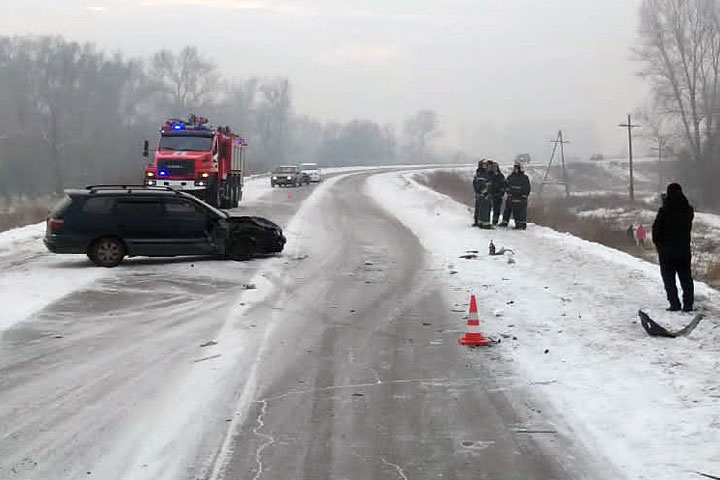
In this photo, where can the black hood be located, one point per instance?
(675, 198)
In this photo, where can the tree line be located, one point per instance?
(72, 114)
(680, 52)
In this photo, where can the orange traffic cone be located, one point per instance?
(473, 337)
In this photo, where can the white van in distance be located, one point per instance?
(312, 171)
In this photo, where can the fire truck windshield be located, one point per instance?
(192, 143)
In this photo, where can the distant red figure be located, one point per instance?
(640, 236)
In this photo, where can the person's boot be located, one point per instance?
(503, 224)
(687, 308)
(673, 308)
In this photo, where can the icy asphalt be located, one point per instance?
(336, 360)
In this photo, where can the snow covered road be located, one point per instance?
(339, 358)
(102, 371)
(363, 377)
(566, 312)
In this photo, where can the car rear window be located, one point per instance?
(61, 207)
(99, 205)
(139, 208)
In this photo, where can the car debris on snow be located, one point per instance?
(207, 358)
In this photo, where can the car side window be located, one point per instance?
(141, 209)
(184, 210)
(99, 205)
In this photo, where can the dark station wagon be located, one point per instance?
(109, 222)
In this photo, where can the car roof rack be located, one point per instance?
(129, 188)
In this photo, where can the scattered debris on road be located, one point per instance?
(206, 358)
(531, 431)
(707, 475)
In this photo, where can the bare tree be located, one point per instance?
(188, 80)
(237, 107)
(419, 130)
(680, 50)
(272, 113)
(69, 108)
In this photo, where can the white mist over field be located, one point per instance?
(503, 76)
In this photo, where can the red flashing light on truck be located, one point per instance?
(206, 161)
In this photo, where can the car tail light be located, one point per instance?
(55, 224)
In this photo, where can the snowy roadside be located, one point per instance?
(566, 312)
(31, 277)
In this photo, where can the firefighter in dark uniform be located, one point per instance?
(671, 235)
(483, 200)
(518, 190)
(498, 187)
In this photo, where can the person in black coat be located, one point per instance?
(483, 201)
(671, 236)
(518, 190)
(498, 186)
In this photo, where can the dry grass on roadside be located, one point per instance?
(556, 213)
(559, 214)
(21, 213)
(453, 184)
(712, 274)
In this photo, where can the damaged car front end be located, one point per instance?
(249, 236)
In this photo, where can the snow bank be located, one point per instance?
(31, 277)
(566, 312)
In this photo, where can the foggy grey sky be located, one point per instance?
(504, 75)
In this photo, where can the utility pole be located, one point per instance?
(630, 126)
(559, 140)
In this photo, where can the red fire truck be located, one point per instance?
(206, 161)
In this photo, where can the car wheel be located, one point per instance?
(107, 252)
(242, 248)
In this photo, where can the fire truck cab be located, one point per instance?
(206, 161)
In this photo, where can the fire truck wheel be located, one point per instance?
(213, 195)
(233, 194)
(236, 195)
(107, 252)
(227, 195)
